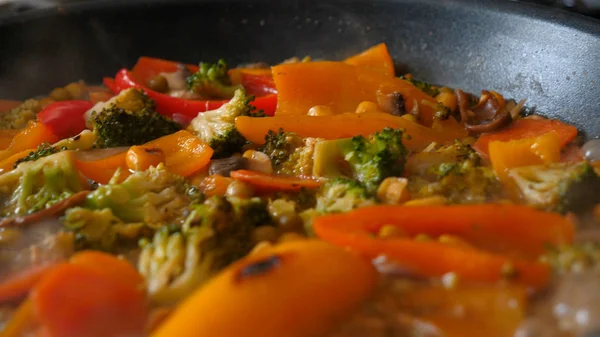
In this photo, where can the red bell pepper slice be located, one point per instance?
(168, 105)
(497, 233)
(65, 118)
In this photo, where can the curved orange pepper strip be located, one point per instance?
(497, 228)
(269, 183)
(344, 125)
(185, 153)
(526, 128)
(102, 170)
(376, 57)
(9, 163)
(33, 135)
(294, 289)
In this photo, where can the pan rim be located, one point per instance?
(538, 12)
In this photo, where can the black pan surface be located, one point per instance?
(548, 56)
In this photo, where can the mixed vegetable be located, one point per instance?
(308, 198)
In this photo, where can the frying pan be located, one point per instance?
(546, 55)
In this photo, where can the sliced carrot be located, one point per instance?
(526, 128)
(376, 57)
(544, 149)
(185, 153)
(344, 126)
(7, 104)
(75, 300)
(269, 183)
(499, 229)
(17, 286)
(342, 87)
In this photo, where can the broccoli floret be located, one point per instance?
(212, 82)
(125, 211)
(290, 154)
(561, 187)
(376, 157)
(455, 172)
(154, 197)
(129, 119)
(423, 86)
(100, 229)
(216, 233)
(217, 127)
(35, 186)
(342, 195)
(17, 118)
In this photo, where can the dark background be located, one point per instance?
(586, 7)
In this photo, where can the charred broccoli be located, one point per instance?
(35, 186)
(561, 187)
(376, 157)
(17, 118)
(290, 153)
(423, 86)
(83, 141)
(212, 82)
(215, 234)
(453, 171)
(217, 127)
(342, 195)
(129, 119)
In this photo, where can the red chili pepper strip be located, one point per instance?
(168, 105)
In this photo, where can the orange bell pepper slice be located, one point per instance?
(342, 126)
(526, 128)
(301, 288)
(102, 170)
(6, 137)
(544, 149)
(486, 310)
(185, 153)
(271, 183)
(149, 67)
(376, 57)
(513, 230)
(29, 138)
(341, 87)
